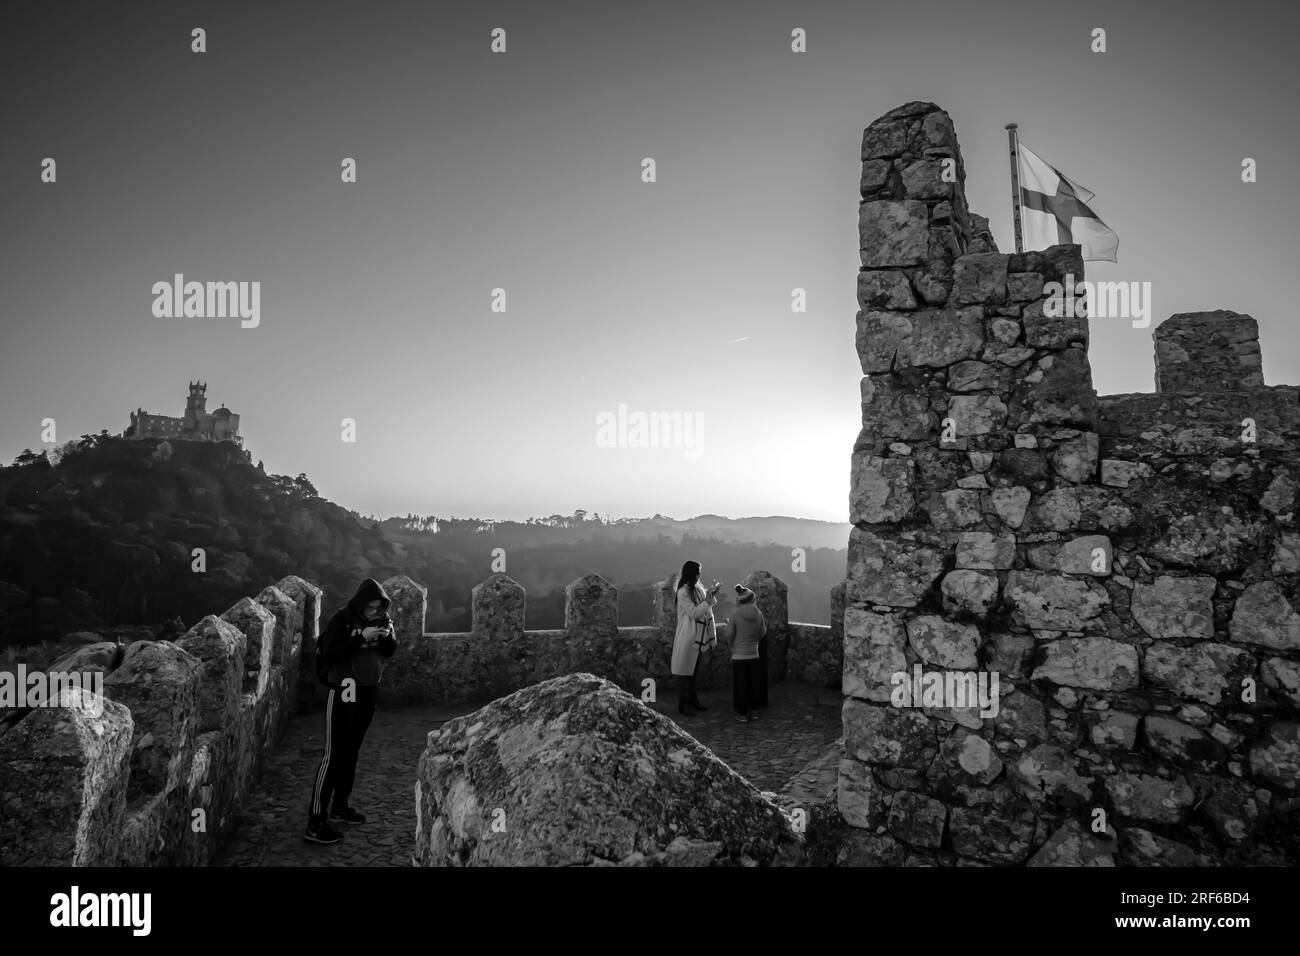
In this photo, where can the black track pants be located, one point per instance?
(346, 722)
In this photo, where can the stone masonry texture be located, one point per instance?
(1126, 566)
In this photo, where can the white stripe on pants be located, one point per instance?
(316, 808)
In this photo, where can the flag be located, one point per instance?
(1054, 209)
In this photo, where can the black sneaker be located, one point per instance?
(347, 815)
(322, 833)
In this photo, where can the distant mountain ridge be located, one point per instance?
(101, 536)
(765, 530)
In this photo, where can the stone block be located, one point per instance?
(1113, 730)
(1203, 672)
(1053, 331)
(63, 784)
(408, 605)
(219, 646)
(497, 608)
(1172, 607)
(893, 233)
(985, 551)
(1075, 460)
(1072, 845)
(885, 289)
(1096, 663)
(591, 607)
(1121, 474)
(1183, 745)
(1207, 351)
(953, 509)
(1265, 616)
(881, 489)
(1010, 505)
(1051, 602)
(159, 683)
(977, 414)
(858, 796)
(968, 591)
(873, 653)
(980, 278)
(1088, 554)
(286, 625)
(889, 572)
(917, 819)
(887, 736)
(1024, 286)
(923, 179)
(1275, 757)
(1153, 799)
(1064, 395)
(258, 626)
(943, 643)
(974, 377)
(999, 831)
(891, 413)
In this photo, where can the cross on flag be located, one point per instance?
(1055, 210)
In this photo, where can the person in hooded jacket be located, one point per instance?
(356, 643)
(748, 628)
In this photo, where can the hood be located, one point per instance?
(370, 590)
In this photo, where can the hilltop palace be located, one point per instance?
(196, 425)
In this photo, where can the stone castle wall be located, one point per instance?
(184, 727)
(1126, 566)
(499, 655)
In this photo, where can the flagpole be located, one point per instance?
(1014, 142)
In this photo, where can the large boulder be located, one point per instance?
(575, 771)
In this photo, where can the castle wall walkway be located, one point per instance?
(797, 729)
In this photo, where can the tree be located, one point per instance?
(59, 452)
(28, 457)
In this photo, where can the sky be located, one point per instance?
(523, 171)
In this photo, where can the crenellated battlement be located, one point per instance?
(185, 726)
(154, 775)
(500, 655)
(1209, 381)
(1208, 352)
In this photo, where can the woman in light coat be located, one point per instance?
(696, 633)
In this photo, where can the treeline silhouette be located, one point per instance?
(101, 535)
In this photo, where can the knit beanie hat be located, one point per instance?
(743, 594)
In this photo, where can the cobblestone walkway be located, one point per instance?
(788, 749)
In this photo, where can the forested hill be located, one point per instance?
(106, 536)
(101, 536)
